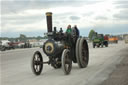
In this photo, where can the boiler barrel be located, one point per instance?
(49, 21)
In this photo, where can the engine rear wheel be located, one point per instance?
(37, 63)
(83, 52)
(66, 62)
(77, 52)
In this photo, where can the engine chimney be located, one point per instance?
(49, 21)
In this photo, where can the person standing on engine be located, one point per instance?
(69, 35)
(69, 30)
(77, 31)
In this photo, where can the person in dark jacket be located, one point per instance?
(77, 31)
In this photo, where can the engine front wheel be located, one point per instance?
(66, 62)
(37, 63)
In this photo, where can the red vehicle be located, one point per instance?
(106, 38)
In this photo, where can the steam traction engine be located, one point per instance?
(61, 49)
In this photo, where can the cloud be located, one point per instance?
(122, 15)
(121, 4)
(112, 29)
(21, 19)
(74, 17)
(28, 16)
(101, 18)
(15, 6)
(88, 14)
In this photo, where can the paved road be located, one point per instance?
(120, 75)
(16, 70)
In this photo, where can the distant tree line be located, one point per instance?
(22, 37)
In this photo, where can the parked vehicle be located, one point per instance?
(113, 39)
(100, 40)
(6, 45)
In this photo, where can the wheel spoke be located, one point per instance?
(36, 57)
(36, 68)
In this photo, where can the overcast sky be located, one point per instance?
(28, 16)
